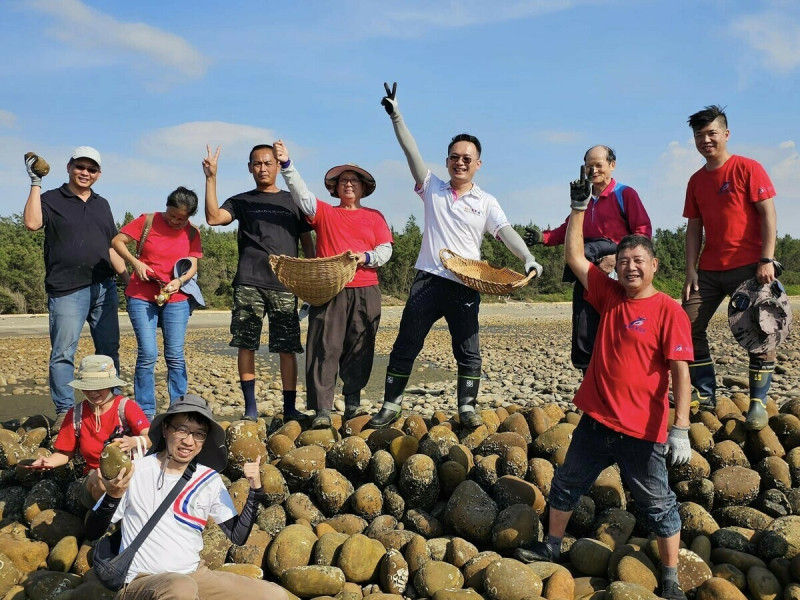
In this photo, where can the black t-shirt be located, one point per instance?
(269, 223)
(77, 238)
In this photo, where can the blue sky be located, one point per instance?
(149, 84)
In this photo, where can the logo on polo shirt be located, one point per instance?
(726, 188)
(637, 325)
(474, 211)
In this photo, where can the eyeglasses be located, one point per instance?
(92, 170)
(455, 158)
(353, 180)
(259, 164)
(181, 433)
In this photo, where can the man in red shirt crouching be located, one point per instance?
(643, 337)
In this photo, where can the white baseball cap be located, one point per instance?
(86, 152)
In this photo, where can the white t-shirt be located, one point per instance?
(175, 543)
(455, 223)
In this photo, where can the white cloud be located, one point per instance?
(82, 26)
(774, 35)
(7, 119)
(191, 139)
(413, 18)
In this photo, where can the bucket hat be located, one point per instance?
(760, 315)
(97, 372)
(213, 454)
(332, 179)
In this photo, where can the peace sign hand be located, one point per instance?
(580, 190)
(210, 162)
(388, 102)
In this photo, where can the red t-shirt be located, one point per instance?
(627, 382)
(724, 199)
(359, 230)
(90, 441)
(163, 247)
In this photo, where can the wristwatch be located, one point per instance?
(766, 260)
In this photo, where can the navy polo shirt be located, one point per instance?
(77, 238)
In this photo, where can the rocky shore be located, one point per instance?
(428, 509)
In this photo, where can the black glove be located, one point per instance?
(388, 101)
(580, 190)
(532, 236)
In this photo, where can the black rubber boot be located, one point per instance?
(352, 405)
(704, 384)
(469, 381)
(392, 401)
(322, 420)
(760, 380)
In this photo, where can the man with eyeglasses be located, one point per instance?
(457, 214)
(615, 211)
(80, 266)
(187, 442)
(269, 223)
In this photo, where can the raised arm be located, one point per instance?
(580, 193)
(302, 196)
(32, 213)
(415, 163)
(214, 214)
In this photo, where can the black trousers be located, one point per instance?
(430, 299)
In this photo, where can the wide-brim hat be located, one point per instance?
(760, 315)
(97, 372)
(213, 454)
(332, 179)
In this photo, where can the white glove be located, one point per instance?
(532, 265)
(679, 447)
(35, 179)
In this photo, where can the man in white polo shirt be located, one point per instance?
(457, 214)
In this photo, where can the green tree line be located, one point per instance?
(22, 265)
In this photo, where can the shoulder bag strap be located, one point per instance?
(162, 508)
(148, 225)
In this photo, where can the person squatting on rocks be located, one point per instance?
(88, 425)
(643, 338)
(341, 333)
(457, 214)
(79, 268)
(269, 223)
(158, 298)
(614, 212)
(730, 203)
(167, 564)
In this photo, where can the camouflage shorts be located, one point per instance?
(250, 304)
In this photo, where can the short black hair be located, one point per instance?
(183, 198)
(259, 147)
(635, 241)
(708, 115)
(464, 137)
(611, 156)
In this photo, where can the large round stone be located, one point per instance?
(292, 547)
(300, 465)
(419, 482)
(471, 512)
(516, 525)
(51, 525)
(313, 581)
(781, 539)
(332, 490)
(717, 588)
(350, 456)
(735, 485)
(509, 579)
(360, 557)
(437, 575)
(394, 572)
(590, 556)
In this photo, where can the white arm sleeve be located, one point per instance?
(302, 196)
(409, 146)
(379, 256)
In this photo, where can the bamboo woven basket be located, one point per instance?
(315, 280)
(483, 277)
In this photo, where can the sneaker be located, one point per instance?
(322, 421)
(670, 590)
(536, 552)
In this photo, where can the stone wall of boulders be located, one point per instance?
(426, 509)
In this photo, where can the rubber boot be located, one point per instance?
(467, 392)
(392, 406)
(352, 405)
(322, 420)
(704, 384)
(760, 380)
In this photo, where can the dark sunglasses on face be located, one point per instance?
(92, 170)
(455, 158)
